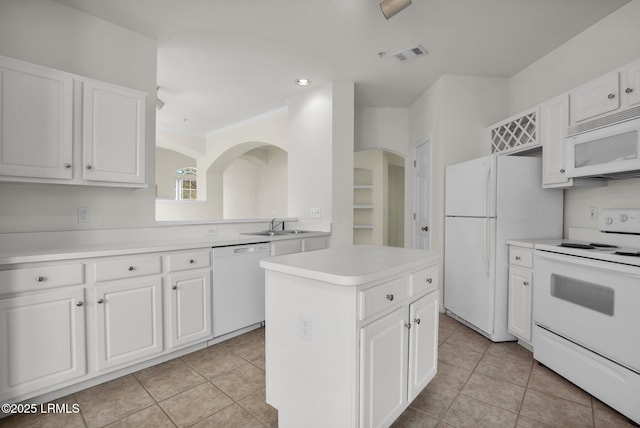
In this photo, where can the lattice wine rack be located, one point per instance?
(515, 134)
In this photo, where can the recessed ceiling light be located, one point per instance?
(303, 82)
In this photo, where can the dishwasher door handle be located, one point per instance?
(244, 250)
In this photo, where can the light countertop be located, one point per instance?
(351, 265)
(531, 243)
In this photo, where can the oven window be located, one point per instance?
(582, 293)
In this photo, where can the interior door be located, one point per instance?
(468, 264)
(422, 219)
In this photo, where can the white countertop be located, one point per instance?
(351, 265)
(531, 243)
(74, 250)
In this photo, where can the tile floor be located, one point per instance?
(479, 384)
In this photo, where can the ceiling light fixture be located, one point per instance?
(303, 82)
(391, 7)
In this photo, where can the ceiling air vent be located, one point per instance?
(410, 54)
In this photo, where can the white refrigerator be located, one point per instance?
(488, 201)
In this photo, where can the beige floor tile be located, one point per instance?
(259, 363)
(213, 361)
(158, 368)
(510, 351)
(516, 372)
(63, 415)
(468, 412)
(461, 357)
(530, 423)
(466, 338)
(434, 401)
(494, 391)
(249, 346)
(544, 380)
(450, 377)
(233, 416)
(151, 417)
(112, 401)
(241, 381)
(412, 418)
(172, 381)
(606, 417)
(256, 404)
(555, 411)
(195, 404)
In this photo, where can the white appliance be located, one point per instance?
(586, 311)
(490, 200)
(238, 287)
(612, 152)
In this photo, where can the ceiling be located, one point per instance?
(224, 61)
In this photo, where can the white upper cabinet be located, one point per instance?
(36, 117)
(599, 96)
(114, 133)
(554, 119)
(57, 127)
(631, 84)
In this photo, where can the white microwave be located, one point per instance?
(612, 151)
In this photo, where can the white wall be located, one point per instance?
(610, 43)
(50, 34)
(321, 157)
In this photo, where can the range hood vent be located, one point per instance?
(601, 122)
(410, 54)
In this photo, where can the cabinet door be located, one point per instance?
(188, 308)
(36, 118)
(423, 343)
(114, 134)
(129, 321)
(597, 97)
(631, 86)
(554, 120)
(520, 300)
(383, 369)
(42, 341)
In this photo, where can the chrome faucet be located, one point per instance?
(275, 224)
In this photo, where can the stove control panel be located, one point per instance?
(620, 220)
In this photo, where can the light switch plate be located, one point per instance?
(83, 215)
(315, 212)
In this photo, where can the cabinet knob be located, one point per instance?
(429, 280)
(525, 282)
(611, 96)
(67, 165)
(561, 170)
(79, 304)
(175, 287)
(628, 90)
(100, 301)
(424, 228)
(408, 325)
(518, 258)
(89, 166)
(390, 297)
(191, 261)
(417, 320)
(40, 278)
(131, 268)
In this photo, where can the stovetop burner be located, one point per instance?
(628, 253)
(589, 246)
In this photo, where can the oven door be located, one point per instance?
(592, 303)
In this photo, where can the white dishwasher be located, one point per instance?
(238, 287)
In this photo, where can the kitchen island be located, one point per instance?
(351, 334)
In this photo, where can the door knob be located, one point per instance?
(424, 228)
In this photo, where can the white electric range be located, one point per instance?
(586, 311)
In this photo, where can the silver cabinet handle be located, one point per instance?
(408, 325)
(429, 280)
(89, 166)
(79, 304)
(131, 268)
(390, 297)
(100, 301)
(40, 278)
(628, 90)
(611, 96)
(191, 261)
(562, 170)
(175, 287)
(67, 165)
(417, 320)
(518, 257)
(525, 283)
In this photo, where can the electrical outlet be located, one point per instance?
(212, 231)
(593, 214)
(306, 327)
(315, 212)
(83, 215)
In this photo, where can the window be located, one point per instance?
(186, 189)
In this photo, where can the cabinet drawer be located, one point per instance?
(378, 298)
(190, 260)
(37, 278)
(127, 267)
(423, 280)
(522, 258)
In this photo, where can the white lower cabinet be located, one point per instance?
(188, 308)
(42, 340)
(520, 306)
(128, 321)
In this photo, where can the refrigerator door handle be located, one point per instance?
(485, 253)
(486, 190)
